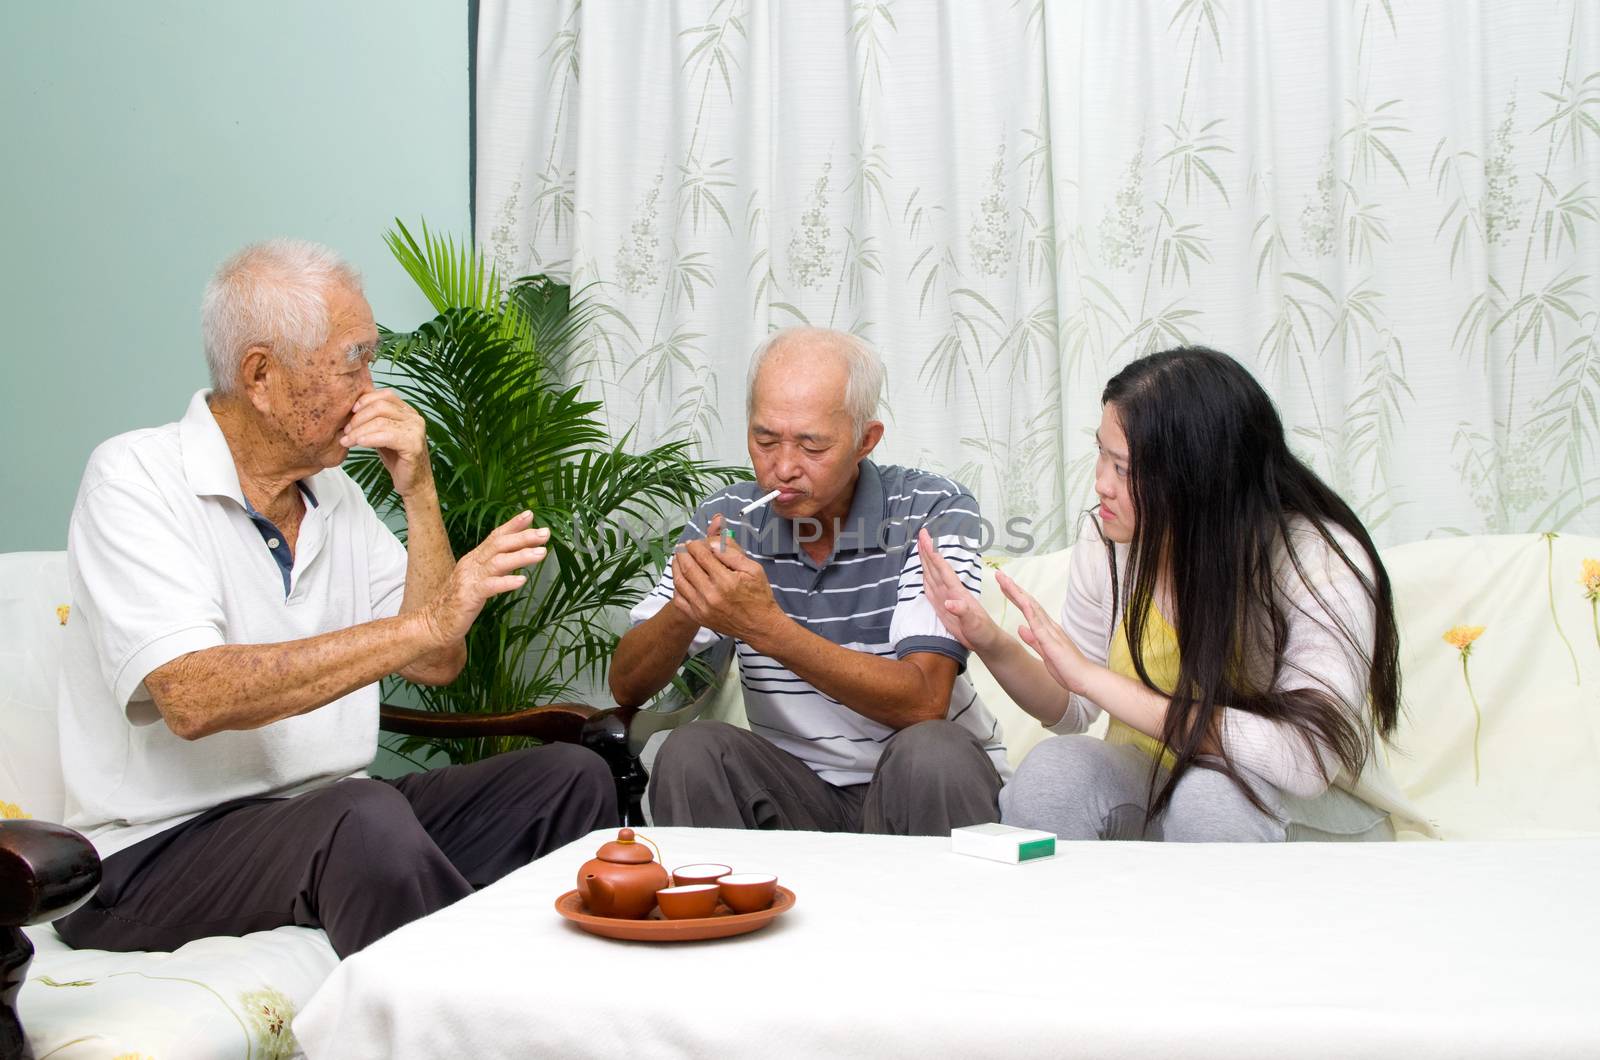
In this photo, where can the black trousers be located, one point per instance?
(358, 858)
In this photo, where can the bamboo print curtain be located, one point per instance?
(1388, 210)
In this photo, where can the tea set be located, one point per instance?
(625, 880)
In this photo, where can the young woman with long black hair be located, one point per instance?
(1228, 611)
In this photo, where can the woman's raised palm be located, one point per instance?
(955, 605)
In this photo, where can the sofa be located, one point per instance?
(1500, 646)
(214, 997)
(1500, 667)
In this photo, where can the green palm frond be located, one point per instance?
(448, 276)
(506, 434)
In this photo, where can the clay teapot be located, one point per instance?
(622, 879)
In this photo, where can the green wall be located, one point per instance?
(144, 142)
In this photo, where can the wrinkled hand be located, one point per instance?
(486, 571)
(956, 607)
(381, 420)
(1062, 659)
(718, 586)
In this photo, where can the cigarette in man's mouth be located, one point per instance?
(758, 502)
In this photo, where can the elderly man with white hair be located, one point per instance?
(237, 599)
(860, 717)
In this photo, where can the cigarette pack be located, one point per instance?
(1002, 842)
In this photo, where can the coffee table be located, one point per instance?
(897, 947)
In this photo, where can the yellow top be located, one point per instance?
(1160, 656)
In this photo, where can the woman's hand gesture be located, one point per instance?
(1066, 665)
(955, 605)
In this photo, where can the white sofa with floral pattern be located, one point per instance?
(1500, 671)
(1500, 663)
(216, 997)
(1500, 652)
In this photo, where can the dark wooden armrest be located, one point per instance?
(616, 734)
(46, 871)
(553, 722)
(619, 734)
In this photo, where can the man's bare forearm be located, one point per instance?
(649, 654)
(429, 562)
(893, 692)
(246, 686)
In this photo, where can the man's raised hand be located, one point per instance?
(488, 570)
(721, 588)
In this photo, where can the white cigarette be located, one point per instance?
(758, 502)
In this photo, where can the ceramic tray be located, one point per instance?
(656, 928)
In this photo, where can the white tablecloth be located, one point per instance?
(897, 947)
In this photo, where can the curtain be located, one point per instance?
(1386, 210)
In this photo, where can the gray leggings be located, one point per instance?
(1081, 787)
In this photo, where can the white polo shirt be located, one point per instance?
(165, 557)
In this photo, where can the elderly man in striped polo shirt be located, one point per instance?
(860, 717)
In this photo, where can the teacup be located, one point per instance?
(748, 892)
(706, 872)
(688, 902)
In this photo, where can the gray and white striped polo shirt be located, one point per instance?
(867, 597)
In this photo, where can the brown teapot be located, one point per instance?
(622, 879)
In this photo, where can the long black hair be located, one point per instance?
(1216, 495)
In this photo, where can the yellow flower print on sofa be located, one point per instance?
(1461, 638)
(10, 811)
(1590, 580)
(270, 1014)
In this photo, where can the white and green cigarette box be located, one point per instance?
(1002, 842)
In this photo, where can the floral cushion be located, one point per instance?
(1500, 660)
(216, 997)
(1500, 664)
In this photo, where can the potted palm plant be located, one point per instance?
(506, 433)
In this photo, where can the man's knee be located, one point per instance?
(695, 746)
(583, 768)
(936, 753)
(591, 788)
(934, 741)
(369, 821)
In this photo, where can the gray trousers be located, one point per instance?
(357, 858)
(931, 777)
(1080, 787)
